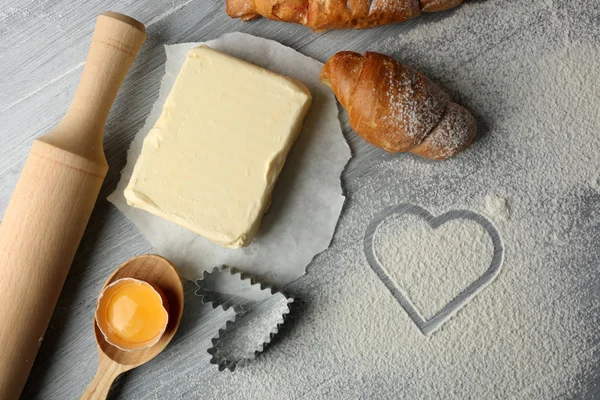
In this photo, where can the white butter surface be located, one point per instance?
(211, 160)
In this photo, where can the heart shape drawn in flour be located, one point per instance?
(428, 326)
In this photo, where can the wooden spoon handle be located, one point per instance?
(105, 376)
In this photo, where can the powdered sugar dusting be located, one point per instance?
(398, 109)
(415, 106)
(454, 130)
(408, 7)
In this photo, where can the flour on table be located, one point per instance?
(497, 208)
(432, 266)
(596, 182)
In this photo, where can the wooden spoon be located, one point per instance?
(113, 361)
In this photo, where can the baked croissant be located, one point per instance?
(336, 14)
(396, 108)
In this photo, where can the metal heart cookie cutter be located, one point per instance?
(259, 312)
(428, 326)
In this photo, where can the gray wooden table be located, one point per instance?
(42, 49)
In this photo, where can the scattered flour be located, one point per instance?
(497, 208)
(432, 266)
(596, 182)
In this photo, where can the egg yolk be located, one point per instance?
(134, 314)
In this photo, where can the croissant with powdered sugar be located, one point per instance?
(396, 108)
(320, 15)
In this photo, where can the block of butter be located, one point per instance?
(210, 162)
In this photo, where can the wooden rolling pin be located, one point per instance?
(53, 200)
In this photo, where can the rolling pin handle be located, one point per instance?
(116, 41)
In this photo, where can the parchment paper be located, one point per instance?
(307, 199)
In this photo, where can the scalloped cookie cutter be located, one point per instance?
(259, 312)
(428, 326)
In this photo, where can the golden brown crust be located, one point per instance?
(396, 108)
(320, 15)
(244, 9)
(359, 14)
(347, 66)
(439, 5)
(283, 10)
